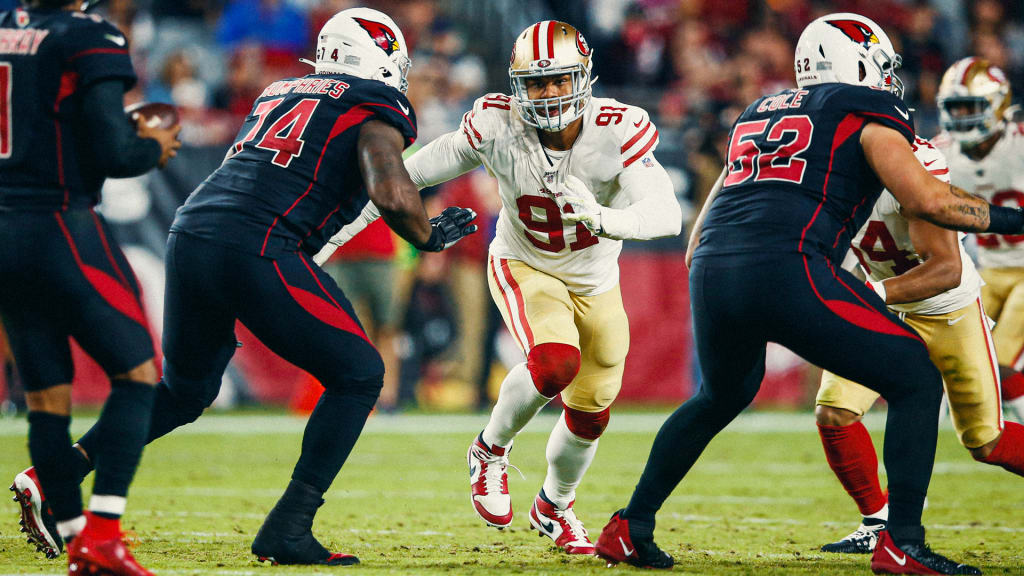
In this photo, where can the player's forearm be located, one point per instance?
(443, 159)
(347, 232)
(647, 219)
(118, 150)
(956, 209)
(929, 279)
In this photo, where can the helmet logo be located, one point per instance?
(543, 63)
(581, 44)
(382, 35)
(856, 31)
(21, 17)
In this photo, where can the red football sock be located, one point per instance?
(102, 528)
(1013, 387)
(852, 457)
(1009, 452)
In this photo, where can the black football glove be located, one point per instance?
(450, 226)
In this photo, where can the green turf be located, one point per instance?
(760, 501)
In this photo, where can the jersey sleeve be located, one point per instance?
(484, 122)
(932, 158)
(389, 106)
(879, 106)
(96, 51)
(638, 139)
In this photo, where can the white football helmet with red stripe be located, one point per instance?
(366, 43)
(974, 98)
(551, 48)
(850, 49)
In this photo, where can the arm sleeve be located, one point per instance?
(98, 52)
(122, 153)
(650, 211)
(365, 218)
(443, 159)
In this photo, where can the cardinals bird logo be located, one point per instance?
(856, 31)
(382, 35)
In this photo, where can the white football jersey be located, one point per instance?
(999, 178)
(615, 137)
(884, 249)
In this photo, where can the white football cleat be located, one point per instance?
(561, 525)
(488, 482)
(37, 522)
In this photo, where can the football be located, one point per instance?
(157, 114)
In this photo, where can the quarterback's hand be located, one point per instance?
(578, 204)
(450, 226)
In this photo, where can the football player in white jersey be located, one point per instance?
(986, 157)
(923, 273)
(576, 175)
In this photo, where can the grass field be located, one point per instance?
(760, 501)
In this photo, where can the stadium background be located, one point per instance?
(694, 64)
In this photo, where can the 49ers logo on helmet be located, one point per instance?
(856, 31)
(382, 35)
(581, 44)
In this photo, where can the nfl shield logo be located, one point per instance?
(647, 162)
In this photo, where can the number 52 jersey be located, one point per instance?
(613, 156)
(797, 179)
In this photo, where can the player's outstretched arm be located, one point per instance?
(941, 270)
(698, 224)
(390, 189)
(368, 216)
(124, 153)
(926, 197)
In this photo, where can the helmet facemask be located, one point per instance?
(887, 67)
(552, 114)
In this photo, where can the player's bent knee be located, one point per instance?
(553, 366)
(587, 425)
(980, 441)
(830, 416)
(144, 373)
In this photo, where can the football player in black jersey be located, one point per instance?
(310, 155)
(63, 75)
(805, 167)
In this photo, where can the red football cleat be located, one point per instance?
(36, 520)
(560, 525)
(914, 558)
(99, 550)
(616, 545)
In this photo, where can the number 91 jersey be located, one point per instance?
(884, 248)
(615, 138)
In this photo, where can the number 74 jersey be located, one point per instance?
(884, 248)
(613, 157)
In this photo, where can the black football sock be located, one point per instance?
(120, 434)
(332, 431)
(911, 429)
(680, 441)
(49, 445)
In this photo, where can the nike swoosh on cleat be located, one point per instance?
(625, 549)
(472, 471)
(548, 526)
(900, 561)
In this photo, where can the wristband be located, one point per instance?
(878, 287)
(1003, 220)
(435, 243)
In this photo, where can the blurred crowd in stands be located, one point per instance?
(694, 64)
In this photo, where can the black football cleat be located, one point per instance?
(37, 521)
(860, 541)
(914, 558)
(616, 544)
(286, 536)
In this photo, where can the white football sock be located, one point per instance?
(882, 514)
(569, 456)
(68, 529)
(518, 402)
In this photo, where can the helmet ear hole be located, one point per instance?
(863, 72)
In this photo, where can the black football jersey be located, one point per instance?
(291, 180)
(47, 59)
(798, 180)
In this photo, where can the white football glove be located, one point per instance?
(578, 204)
